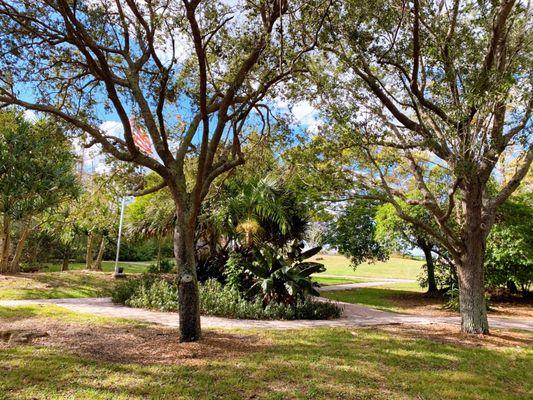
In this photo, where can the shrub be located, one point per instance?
(509, 257)
(452, 299)
(218, 300)
(166, 266)
(234, 271)
(284, 278)
(445, 276)
(124, 290)
(158, 294)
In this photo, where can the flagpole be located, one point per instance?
(119, 234)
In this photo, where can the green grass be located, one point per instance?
(326, 281)
(51, 285)
(375, 297)
(60, 313)
(303, 364)
(107, 266)
(395, 267)
(75, 283)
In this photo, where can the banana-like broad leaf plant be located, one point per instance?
(284, 278)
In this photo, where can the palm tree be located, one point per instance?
(255, 211)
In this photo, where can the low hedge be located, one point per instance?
(160, 293)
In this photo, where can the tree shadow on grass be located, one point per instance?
(318, 364)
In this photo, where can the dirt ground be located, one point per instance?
(500, 306)
(132, 344)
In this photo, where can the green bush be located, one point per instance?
(509, 257)
(452, 299)
(125, 289)
(166, 266)
(218, 300)
(159, 294)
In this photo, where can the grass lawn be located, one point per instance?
(77, 282)
(60, 313)
(382, 298)
(387, 363)
(51, 285)
(326, 280)
(130, 267)
(395, 267)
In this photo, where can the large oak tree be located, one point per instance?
(213, 63)
(426, 91)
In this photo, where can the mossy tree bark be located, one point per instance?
(470, 269)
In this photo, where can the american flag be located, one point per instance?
(140, 137)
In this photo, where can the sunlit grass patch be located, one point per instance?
(57, 312)
(395, 267)
(318, 364)
(51, 285)
(381, 298)
(326, 281)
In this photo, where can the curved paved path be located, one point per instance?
(354, 316)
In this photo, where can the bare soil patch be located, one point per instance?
(135, 344)
(418, 303)
(452, 335)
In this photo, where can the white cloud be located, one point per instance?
(182, 49)
(30, 115)
(305, 114)
(112, 128)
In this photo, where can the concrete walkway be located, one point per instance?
(354, 316)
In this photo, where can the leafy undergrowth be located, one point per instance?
(52, 285)
(297, 364)
(160, 293)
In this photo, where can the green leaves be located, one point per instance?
(284, 278)
(509, 256)
(352, 233)
(36, 166)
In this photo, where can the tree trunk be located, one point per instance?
(189, 304)
(98, 262)
(158, 261)
(89, 255)
(15, 263)
(6, 245)
(470, 270)
(430, 266)
(64, 265)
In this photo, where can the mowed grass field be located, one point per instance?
(93, 358)
(74, 283)
(381, 297)
(130, 267)
(77, 282)
(394, 267)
